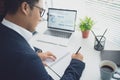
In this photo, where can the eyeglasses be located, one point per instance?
(42, 11)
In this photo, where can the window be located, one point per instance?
(108, 14)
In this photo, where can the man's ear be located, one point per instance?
(25, 8)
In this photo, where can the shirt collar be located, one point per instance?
(22, 31)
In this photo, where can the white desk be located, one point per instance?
(91, 56)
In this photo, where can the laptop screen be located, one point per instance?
(61, 19)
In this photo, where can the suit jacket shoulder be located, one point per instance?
(18, 60)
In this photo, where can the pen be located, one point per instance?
(54, 71)
(103, 35)
(101, 38)
(78, 50)
(95, 36)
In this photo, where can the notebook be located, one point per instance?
(60, 26)
(112, 55)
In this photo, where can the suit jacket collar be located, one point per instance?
(23, 32)
(7, 34)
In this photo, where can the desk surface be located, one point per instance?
(91, 56)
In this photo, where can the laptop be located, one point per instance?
(112, 55)
(60, 26)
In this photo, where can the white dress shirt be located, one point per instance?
(27, 35)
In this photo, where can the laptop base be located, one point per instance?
(58, 33)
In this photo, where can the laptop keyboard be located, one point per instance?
(58, 33)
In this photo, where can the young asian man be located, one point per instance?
(18, 58)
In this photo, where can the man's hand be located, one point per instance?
(77, 56)
(46, 55)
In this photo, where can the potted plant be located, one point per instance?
(85, 26)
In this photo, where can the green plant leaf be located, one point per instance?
(86, 23)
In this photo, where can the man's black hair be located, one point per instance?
(11, 6)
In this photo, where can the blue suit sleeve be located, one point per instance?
(37, 49)
(32, 68)
(74, 70)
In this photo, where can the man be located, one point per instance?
(18, 59)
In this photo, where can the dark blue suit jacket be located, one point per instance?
(18, 61)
